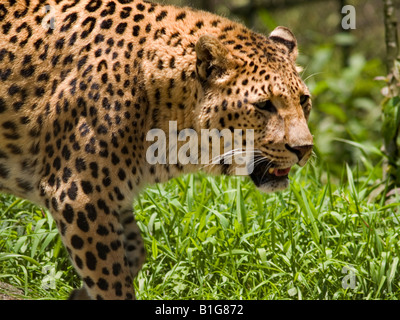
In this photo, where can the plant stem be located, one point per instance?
(392, 43)
(391, 147)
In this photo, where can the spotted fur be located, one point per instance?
(77, 100)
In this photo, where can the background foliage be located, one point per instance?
(219, 238)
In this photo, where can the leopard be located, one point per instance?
(82, 82)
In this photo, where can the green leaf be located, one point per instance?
(6, 256)
(263, 254)
(223, 221)
(313, 215)
(240, 208)
(392, 272)
(367, 149)
(154, 248)
(49, 238)
(234, 252)
(308, 208)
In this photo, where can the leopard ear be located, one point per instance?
(283, 36)
(212, 58)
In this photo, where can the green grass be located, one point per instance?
(220, 238)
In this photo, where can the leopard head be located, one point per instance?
(253, 87)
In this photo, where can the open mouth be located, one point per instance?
(264, 173)
(279, 172)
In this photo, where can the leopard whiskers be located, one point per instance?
(229, 155)
(262, 160)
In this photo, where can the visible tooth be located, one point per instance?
(271, 170)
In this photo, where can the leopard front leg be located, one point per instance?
(134, 250)
(134, 245)
(94, 238)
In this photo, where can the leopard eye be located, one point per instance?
(266, 105)
(304, 100)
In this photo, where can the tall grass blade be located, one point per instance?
(240, 208)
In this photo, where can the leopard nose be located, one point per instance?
(300, 151)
